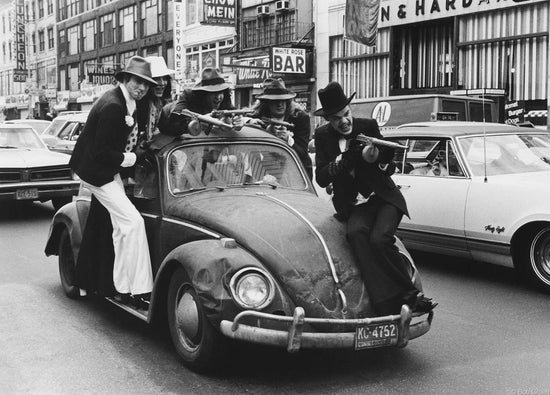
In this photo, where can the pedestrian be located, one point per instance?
(105, 151)
(276, 104)
(354, 168)
(211, 93)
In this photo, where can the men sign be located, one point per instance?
(288, 60)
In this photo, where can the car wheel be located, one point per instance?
(536, 258)
(60, 202)
(67, 266)
(197, 342)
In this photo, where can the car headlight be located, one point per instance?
(252, 288)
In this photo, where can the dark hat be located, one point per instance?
(138, 67)
(332, 99)
(275, 89)
(211, 81)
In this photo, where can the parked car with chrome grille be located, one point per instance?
(29, 171)
(242, 248)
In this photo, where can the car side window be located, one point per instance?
(430, 158)
(65, 132)
(76, 131)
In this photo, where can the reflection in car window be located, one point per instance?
(223, 165)
(507, 154)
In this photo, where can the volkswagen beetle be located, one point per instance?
(243, 249)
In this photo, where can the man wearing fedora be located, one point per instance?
(209, 94)
(355, 168)
(103, 152)
(276, 103)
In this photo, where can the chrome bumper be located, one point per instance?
(295, 338)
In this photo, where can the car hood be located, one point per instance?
(278, 227)
(23, 158)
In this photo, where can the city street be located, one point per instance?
(489, 335)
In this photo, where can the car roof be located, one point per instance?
(29, 121)
(454, 129)
(17, 125)
(74, 116)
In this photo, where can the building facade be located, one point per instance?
(32, 95)
(493, 49)
(96, 37)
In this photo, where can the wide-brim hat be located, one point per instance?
(275, 89)
(159, 67)
(211, 81)
(333, 99)
(139, 67)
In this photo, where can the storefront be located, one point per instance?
(439, 47)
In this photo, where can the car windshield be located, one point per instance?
(235, 164)
(55, 126)
(19, 138)
(507, 153)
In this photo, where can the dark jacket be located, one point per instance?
(98, 152)
(368, 177)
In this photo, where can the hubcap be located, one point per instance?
(540, 255)
(187, 319)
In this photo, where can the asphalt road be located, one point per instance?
(490, 335)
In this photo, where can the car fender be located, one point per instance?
(72, 217)
(210, 265)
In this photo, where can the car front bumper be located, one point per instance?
(46, 190)
(295, 338)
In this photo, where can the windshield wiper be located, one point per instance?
(263, 183)
(8, 146)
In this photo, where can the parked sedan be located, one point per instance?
(479, 191)
(29, 171)
(243, 248)
(64, 130)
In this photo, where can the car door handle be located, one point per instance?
(403, 186)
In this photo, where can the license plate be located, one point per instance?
(25, 194)
(376, 335)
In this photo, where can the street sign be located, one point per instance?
(288, 60)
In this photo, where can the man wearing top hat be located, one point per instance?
(104, 150)
(276, 103)
(355, 168)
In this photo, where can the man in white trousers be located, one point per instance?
(104, 150)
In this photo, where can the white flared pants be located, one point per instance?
(132, 271)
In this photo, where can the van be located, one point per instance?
(393, 111)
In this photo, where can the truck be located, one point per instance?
(393, 111)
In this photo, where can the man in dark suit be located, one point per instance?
(354, 167)
(104, 150)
